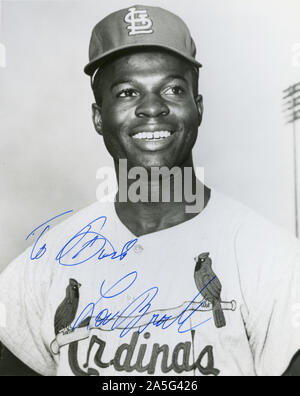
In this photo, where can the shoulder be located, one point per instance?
(38, 260)
(266, 256)
(260, 245)
(226, 215)
(91, 213)
(252, 228)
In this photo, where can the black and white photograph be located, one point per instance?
(150, 190)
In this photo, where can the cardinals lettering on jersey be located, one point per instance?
(89, 352)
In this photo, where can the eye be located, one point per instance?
(175, 90)
(127, 93)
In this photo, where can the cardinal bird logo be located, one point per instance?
(66, 311)
(209, 286)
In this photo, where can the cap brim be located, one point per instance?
(92, 66)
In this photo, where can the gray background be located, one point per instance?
(50, 153)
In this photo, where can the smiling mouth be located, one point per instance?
(156, 135)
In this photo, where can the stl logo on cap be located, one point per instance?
(139, 22)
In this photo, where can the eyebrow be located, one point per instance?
(125, 81)
(177, 77)
(132, 81)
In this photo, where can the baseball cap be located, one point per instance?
(139, 26)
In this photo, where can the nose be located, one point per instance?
(152, 105)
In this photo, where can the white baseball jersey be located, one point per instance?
(90, 298)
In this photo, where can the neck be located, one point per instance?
(152, 199)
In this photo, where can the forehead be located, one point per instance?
(145, 63)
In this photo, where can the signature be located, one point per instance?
(86, 244)
(132, 315)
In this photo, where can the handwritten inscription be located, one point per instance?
(133, 314)
(86, 244)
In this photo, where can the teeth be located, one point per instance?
(152, 135)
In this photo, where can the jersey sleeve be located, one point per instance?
(23, 297)
(269, 264)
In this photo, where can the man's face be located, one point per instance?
(148, 113)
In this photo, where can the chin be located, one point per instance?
(157, 163)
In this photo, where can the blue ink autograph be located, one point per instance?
(42, 250)
(83, 246)
(133, 314)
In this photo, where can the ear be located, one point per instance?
(199, 104)
(97, 118)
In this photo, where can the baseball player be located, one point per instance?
(149, 287)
